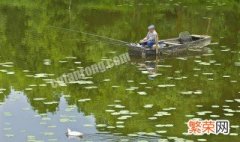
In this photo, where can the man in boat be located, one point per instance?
(151, 38)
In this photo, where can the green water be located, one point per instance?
(123, 103)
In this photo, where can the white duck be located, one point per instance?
(73, 133)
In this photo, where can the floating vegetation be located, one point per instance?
(233, 81)
(207, 73)
(214, 116)
(120, 126)
(32, 85)
(152, 118)
(123, 112)
(145, 72)
(91, 87)
(148, 87)
(110, 110)
(180, 78)
(132, 135)
(48, 133)
(120, 122)
(10, 72)
(237, 100)
(215, 106)
(69, 109)
(47, 62)
(2, 103)
(151, 134)
(161, 131)
(63, 61)
(40, 75)
(197, 92)
(107, 80)
(168, 109)
(233, 134)
(50, 103)
(181, 58)
(119, 106)
(226, 50)
(9, 135)
(133, 113)
(28, 89)
(142, 83)
(2, 89)
(199, 105)
(164, 66)
(142, 93)
(189, 115)
(148, 106)
(84, 100)
(130, 81)
(204, 64)
(226, 76)
(66, 118)
(235, 126)
(117, 101)
(115, 113)
(166, 85)
(88, 125)
(196, 69)
(39, 99)
(84, 82)
(124, 117)
(111, 127)
(229, 101)
(203, 112)
(187, 93)
(7, 129)
(132, 88)
(7, 114)
(71, 57)
(101, 125)
(77, 62)
(3, 71)
(228, 110)
(228, 114)
(162, 113)
(42, 85)
(164, 125)
(202, 140)
(7, 66)
(26, 71)
(29, 75)
(237, 64)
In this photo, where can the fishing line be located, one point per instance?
(90, 34)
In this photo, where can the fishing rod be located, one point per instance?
(120, 42)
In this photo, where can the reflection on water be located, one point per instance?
(145, 99)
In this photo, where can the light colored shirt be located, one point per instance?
(152, 36)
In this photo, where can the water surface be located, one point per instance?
(144, 99)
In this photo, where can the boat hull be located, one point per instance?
(172, 46)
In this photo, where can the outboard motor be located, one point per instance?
(185, 37)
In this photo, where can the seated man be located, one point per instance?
(151, 38)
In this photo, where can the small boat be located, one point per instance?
(171, 46)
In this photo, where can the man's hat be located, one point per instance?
(151, 27)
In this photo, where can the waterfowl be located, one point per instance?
(73, 133)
